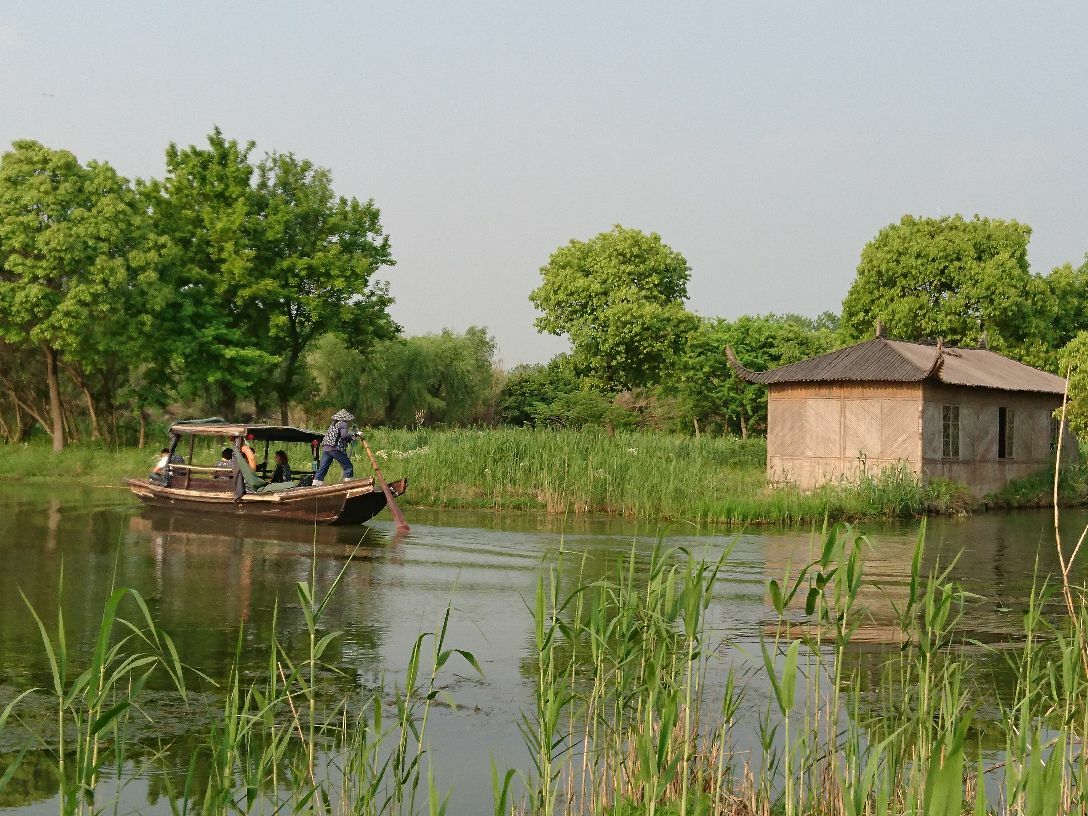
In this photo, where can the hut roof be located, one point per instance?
(884, 360)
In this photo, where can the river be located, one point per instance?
(210, 581)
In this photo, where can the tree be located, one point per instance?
(205, 204)
(713, 392)
(317, 255)
(1074, 363)
(445, 378)
(74, 250)
(619, 299)
(268, 258)
(947, 278)
(530, 391)
(1062, 315)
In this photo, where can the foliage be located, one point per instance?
(78, 275)
(1074, 363)
(948, 278)
(316, 255)
(529, 391)
(206, 286)
(267, 259)
(442, 378)
(619, 299)
(710, 388)
(204, 205)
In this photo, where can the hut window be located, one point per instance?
(1055, 432)
(950, 432)
(1006, 432)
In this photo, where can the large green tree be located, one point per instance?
(316, 255)
(205, 205)
(75, 257)
(266, 258)
(619, 299)
(1062, 315)
(949, 278)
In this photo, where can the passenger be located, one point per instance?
(248, 453)
(226, 462)
(282, 473)
(334, 446)
(163, 463)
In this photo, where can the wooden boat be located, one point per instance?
(220, 490)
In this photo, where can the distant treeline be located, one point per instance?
(246, 288)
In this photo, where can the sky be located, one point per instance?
(767, 142)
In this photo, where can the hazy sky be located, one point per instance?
(767, 142)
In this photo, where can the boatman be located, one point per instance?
(335, 446)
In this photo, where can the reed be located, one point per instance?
(640, 738)
(711, 480)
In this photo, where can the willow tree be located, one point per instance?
(73, 240)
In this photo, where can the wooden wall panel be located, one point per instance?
(900, 430)
(823, 427)
(785, 427)
(861, 428)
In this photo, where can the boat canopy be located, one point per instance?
(216, 426)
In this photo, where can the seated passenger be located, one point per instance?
(225, 462)
(248, 453)
(163, 463)
(282, 473)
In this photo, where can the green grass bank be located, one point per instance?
(712, 480)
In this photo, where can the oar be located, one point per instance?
(398, 516)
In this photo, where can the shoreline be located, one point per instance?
(712, 481)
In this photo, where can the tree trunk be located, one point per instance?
(228, 403)
(143, 429)
(743, 426)
(56, 415)
(287, 385)
(695, 422)
(20, 432)
(96, 432)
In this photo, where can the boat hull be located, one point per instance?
(347, 503)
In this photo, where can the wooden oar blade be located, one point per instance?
(390, 499)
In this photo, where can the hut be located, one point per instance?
(966, 414)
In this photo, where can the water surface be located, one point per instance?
(211, 580)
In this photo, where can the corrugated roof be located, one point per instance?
(220, 427)
(883, 360)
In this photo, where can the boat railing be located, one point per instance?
(198, 469)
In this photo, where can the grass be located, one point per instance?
(1037, 490)
(712, 480)
(622, 722)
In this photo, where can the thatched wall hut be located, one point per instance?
(967, 414)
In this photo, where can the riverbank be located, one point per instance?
(712, 480)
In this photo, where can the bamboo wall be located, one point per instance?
(824, 432)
